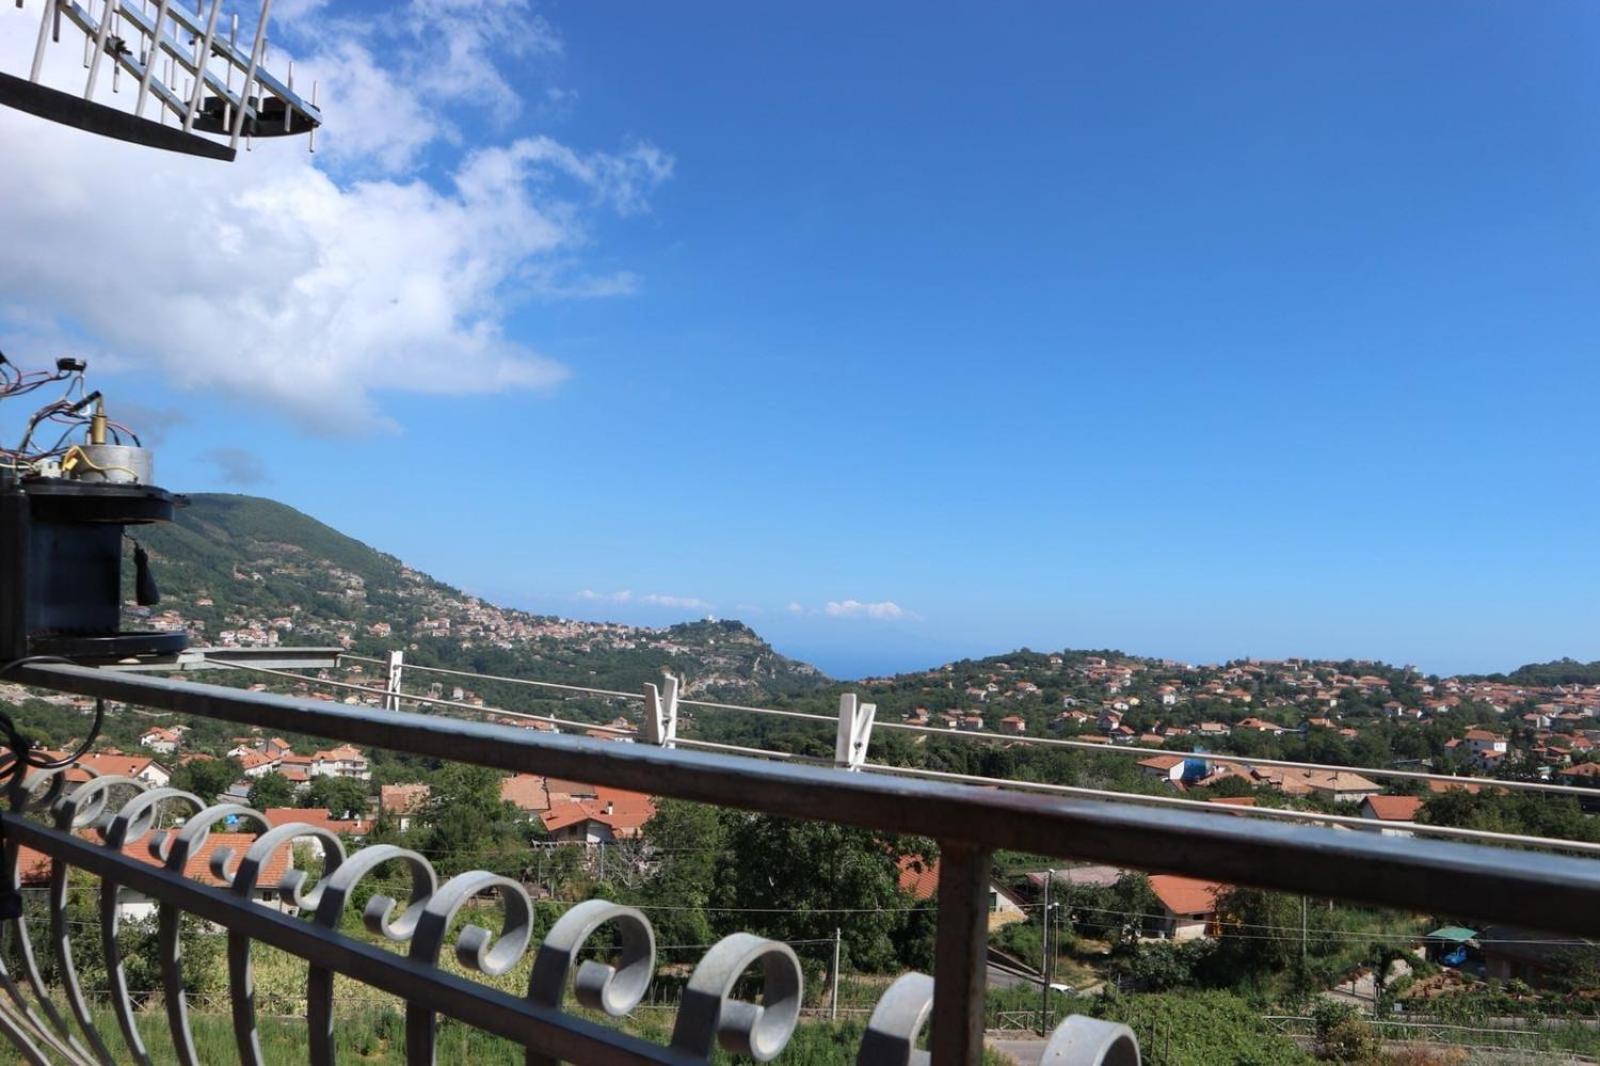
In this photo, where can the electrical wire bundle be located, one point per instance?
(75, 410)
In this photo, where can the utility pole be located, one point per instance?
(1302, 932)
(1302, 976)
(833, 992)
(1046, 964)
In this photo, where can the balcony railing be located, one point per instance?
(1525, 887)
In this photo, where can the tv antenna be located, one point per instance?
(195, 69)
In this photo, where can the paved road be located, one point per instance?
(1024, 1051)
(999, 978)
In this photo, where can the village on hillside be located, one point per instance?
(1483, 727)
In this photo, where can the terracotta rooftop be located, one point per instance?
(526, 792)
(108, 764)
(919, 876)
(403, 799)
(1394, 808)
(1186, 895)
(317, 816)
(34, 867)
(624, 812)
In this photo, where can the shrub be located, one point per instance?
(1342, 1034)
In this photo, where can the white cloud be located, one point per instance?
(378, 122)
(886, 610)
(651, 599)
(620, 596)
(311, 283)
(795, 608)
(454, 45)
(689, 603)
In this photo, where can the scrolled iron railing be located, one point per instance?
(81, 828)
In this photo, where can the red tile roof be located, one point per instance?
(1449, 786)
(403, 799)
(1394, 808)
(1186, 895)
(109, 764)
(317, 816)
(624, 812)
(526, 791)
(34, 867)
(919, 876)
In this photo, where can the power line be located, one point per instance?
(1084, 745)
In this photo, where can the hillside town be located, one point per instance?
(1482, 726)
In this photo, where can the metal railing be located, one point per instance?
(1555, 892)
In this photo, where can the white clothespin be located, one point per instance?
(661, 713)
(855, 731)
(391, 702)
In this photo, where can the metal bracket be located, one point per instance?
(855, 731)
(661, 713)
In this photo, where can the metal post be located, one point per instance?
(833, 993)
(960, 955)
(1047, 962)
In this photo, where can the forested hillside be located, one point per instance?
(241, 570)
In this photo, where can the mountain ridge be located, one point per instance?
(246, 570)
(279, 562)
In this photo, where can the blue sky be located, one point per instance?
(906, 332)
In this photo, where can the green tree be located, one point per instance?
(206, 778)
(343, 797)
(687, 842)
(465, 818)
(809, 875)
(1254, 942)
(1133, 906)
(271, 790)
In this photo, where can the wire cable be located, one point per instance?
(1452, 780)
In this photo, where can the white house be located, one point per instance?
(1392, 809)
(343, 761)
(1188, 904)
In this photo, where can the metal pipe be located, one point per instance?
(99, 47)
(44, 38)
(202, 57)
(249, 75)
